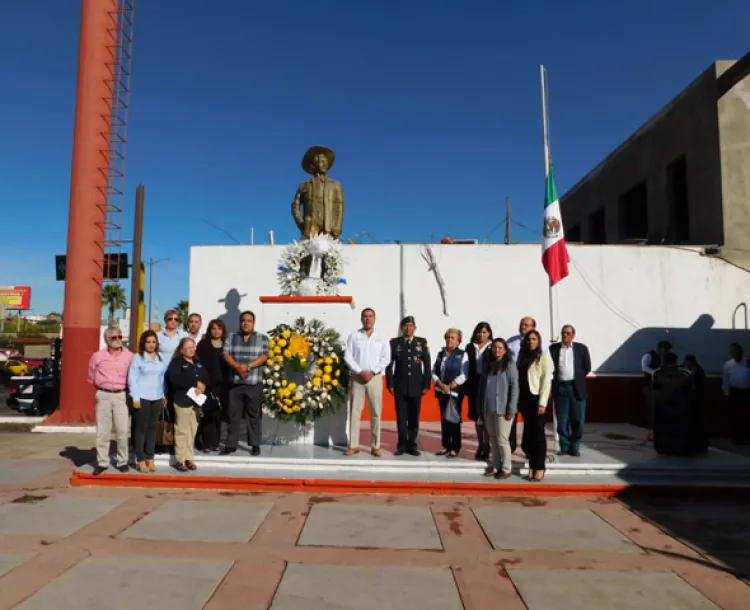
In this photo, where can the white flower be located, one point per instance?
(277, 384)
(277, 367)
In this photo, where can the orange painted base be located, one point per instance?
(618, 400)
(332, 486)
(306, 299)
(81, 479)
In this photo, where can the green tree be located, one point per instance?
(183, 308)
(113, 298)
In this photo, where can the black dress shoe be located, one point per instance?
(561, 452)
(99, 469)
(227, 451)
(414, 452)
(255, 451)
(575, 453)
(123, 468)
(398, 452)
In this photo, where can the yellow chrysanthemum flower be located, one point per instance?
(316, 381)
(327, 369)
(328, 387)
(286, 334)
(287, 353)
(292, 386)
(338, 372)
(270, 362)
(320, 361)
(318, 373)
(335, 382)
(299, 346)
(276, 350)
(296, 409)
(303, 363)
(282, 342)
(284, 383)
(326, 378)
(272, 343)
(329, 360)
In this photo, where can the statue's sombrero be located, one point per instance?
(312, 152)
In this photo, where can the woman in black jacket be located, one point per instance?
(209, 354)
(477, 351)
(189, 380)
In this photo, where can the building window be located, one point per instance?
(633, 211)
(677, 192)
(597, 227)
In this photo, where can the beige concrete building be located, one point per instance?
(682, 178)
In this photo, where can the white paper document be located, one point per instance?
(199, 399)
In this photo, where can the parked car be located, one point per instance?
(32, 395)
(14, 367)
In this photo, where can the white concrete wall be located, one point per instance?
(621, 299)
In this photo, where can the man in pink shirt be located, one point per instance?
(108, 373)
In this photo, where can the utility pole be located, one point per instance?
(135, 280)
(151, 263)
(507, 220)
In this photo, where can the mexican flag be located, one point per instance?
(554, 251)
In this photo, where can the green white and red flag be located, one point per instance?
(554, 250)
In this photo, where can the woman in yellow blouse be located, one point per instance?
(535, 382)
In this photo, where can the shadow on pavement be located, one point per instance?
(79, 457)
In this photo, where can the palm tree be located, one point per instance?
(183, 308)
(113, 298)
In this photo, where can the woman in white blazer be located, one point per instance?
(535, 370)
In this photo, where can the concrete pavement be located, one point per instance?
(66, 547)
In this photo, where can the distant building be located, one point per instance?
(682, 178)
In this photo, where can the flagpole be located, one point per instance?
(547, 158)
(547, 155)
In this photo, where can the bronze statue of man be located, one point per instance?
(318, 206)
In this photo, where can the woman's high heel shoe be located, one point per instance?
(538, 476)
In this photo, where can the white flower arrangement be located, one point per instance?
(290, 272)
(302, 378)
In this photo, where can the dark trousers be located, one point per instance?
(534, 440)
(407, 420)
(208, 426)
(451, 432)
(571, 415)
(739, 414)
(245, 400)
(145, 421)
(514, 434)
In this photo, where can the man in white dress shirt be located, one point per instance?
(515, 342)
(572, 364)
(367, 356)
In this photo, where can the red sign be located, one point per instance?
(15, 297)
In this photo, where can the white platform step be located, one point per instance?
(309, 462)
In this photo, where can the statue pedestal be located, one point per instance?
(335, 312)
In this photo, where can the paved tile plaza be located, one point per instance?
(65, 548)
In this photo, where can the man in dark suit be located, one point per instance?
(572, 364)
(408, 379)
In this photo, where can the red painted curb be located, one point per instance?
(80, 479)
(306, 299)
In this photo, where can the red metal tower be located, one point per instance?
(96, 191)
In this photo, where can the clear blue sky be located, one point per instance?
(433, 109)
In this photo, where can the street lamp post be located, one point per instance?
(151, 263)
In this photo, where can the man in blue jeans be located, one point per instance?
(572, 364)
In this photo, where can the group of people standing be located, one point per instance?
(207, 385)
(193, 383)
(499, 378)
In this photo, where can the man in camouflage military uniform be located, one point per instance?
(408, 379)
